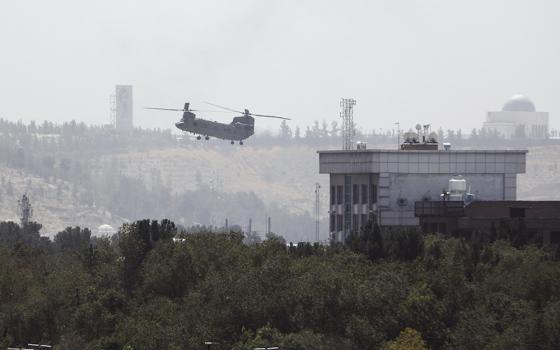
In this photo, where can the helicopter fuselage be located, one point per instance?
(239, 129)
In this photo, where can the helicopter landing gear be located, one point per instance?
(241, 143)
(207, 138)
(198, 137)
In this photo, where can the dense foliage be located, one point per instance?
(151, 287)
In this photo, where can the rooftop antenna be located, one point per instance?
(347, 112)
(398, 124)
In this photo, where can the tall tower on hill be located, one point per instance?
(123, 108)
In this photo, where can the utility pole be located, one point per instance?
(317, 211)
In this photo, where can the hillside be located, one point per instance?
(55, 203)
(542, 180)
(283, 176)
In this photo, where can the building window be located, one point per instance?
(355, 222)
(516, 212)
(333, 195)
(332, 225)
(373, 193)
(364, 194)
(555, 237)
(355, 194)
(364, 219)
(339, 222)
(338, 194)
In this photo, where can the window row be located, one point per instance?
(337, 220)
(360, 194)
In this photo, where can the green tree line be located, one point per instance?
(152, 286)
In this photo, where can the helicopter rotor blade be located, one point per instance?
(222, 107)
(269, 116)
(166, 109)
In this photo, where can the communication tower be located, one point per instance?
(347, 115)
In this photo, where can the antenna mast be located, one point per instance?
(317, 210)
(347, 115)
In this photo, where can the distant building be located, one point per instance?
(386, 184)
(105, 230)
(518, 119)
(123, 108)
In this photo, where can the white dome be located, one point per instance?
(519, 103)
(106, 229)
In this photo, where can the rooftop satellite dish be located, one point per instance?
(432, 137)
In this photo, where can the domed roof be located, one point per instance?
(106, 229)
(519, 103)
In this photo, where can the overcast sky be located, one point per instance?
(443, 62)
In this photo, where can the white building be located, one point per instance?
(387, 183)
(518, 118)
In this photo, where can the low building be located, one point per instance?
(454, 217)
(386, 184)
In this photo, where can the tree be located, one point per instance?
(409, 339)
(285, 131)
(73, 238)
(135, 241)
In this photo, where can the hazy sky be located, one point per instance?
(443, 62)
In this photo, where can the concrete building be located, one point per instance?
(518, 118)
(123, 108)
(386, 183)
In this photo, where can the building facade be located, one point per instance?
(518, 119)
(385, 184)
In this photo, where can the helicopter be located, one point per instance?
(240, 128)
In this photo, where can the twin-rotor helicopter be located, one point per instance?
(240, 128)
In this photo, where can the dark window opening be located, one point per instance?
(373, 193)
(364, 194)
(555, 237)
(364, 219)
(355, 194)
(516, 212)
(332, 224)
(333, 195)
(338, 194)
(355, 222)
(433, 227)
(339, 222)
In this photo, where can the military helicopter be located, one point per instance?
(239, 129)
